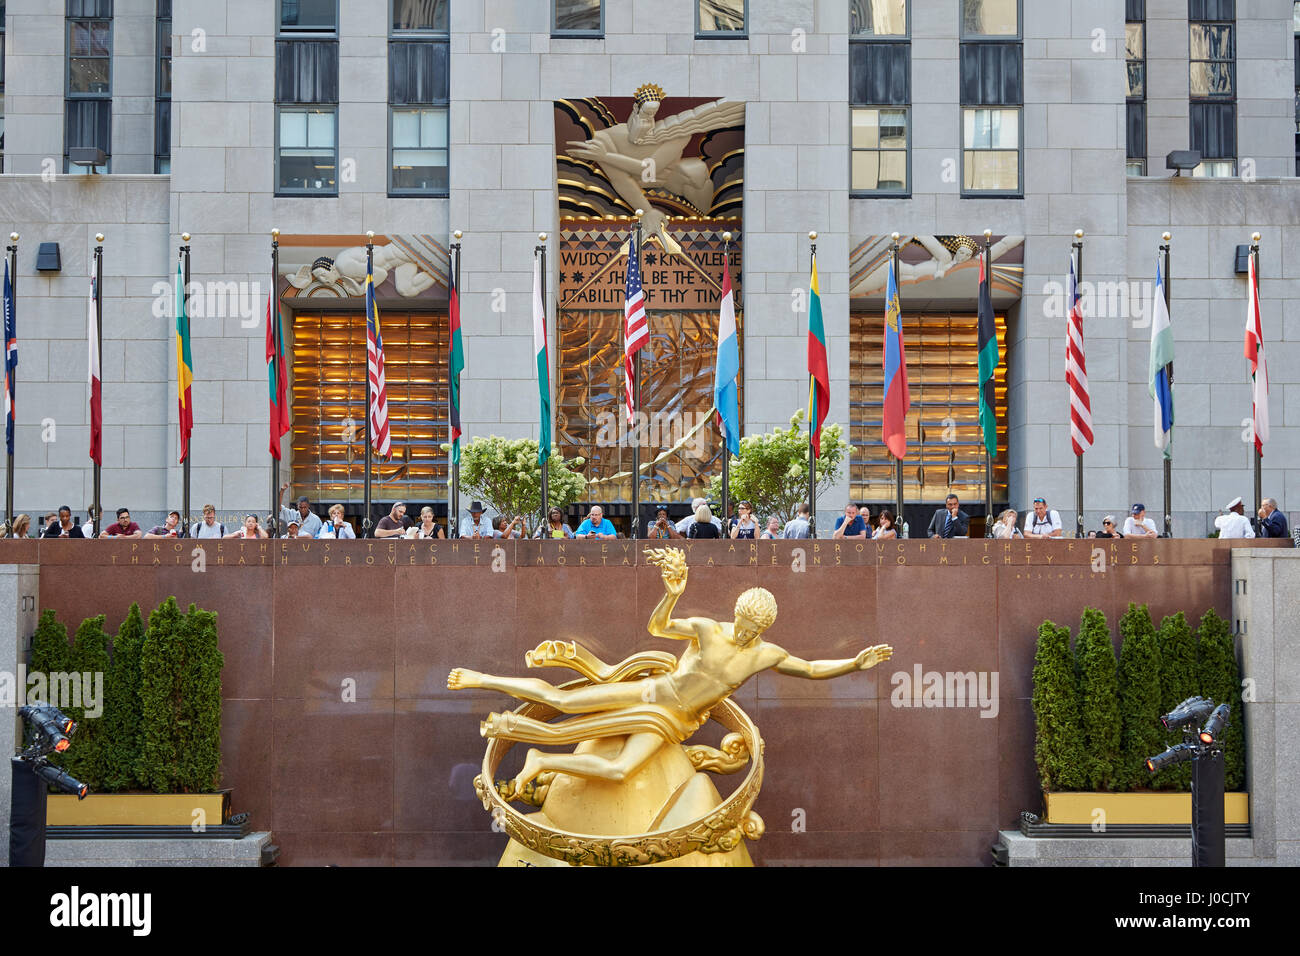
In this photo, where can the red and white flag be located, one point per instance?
(96, 410)
(1076, 373)
(375, 369)
(1255, 355)
(636, 328)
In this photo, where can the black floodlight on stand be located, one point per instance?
(31, 773)
(1191, 711)
(1183, 160)
(1202, 747)
(47, 258)
(91, 157)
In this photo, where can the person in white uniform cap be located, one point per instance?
(1233, 523)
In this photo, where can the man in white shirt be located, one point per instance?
(1137, 525)
(1233, 523)
(1043, 522)
(209, 527)
(88, 529)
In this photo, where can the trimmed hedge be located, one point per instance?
(122, 706)
(1058, 749)
(1221, 682)
(85, 758)
(1178, 681)
(1139, 697)
(1099, 719)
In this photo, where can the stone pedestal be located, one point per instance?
(18, 591)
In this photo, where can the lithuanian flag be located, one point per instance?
(455, 365)
(184, 368)
(819, 378)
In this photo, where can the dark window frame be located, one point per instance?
(1213, 101)
(306, 32)
(291, 192)
(964, 37)
(968, 43)
(866, 40)
(903, 37)
(1135, 12)
(560, 34)
(417, 32)
(70, 96)
(702, 34)
(1019, 192)
(407, 37)
(162, 100)
(906, 191)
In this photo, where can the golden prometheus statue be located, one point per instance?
(630, 793)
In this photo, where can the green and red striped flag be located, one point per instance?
(277, 376)
(819, 376)
(455, 365)
(989, 360)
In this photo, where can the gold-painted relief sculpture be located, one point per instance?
(630, 793)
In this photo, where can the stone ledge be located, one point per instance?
(243, 852)
(1120, 851)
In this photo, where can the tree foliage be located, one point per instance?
(1178, 681)
(122, 705)
(1139, 696)
(503, 472)
(1099, 718)
(1058, 750)
(772, 470)
(1221, 682)
(50, 649)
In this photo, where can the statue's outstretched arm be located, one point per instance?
(824, 670)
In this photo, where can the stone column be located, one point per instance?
(18, 590)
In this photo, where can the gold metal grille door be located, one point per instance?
(945, 448)
(329, 406)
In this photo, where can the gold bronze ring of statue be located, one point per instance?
(718, 832)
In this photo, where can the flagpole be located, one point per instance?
(370, 270)
(1168, 458)
(185, 466)
(273, 318)
(635, 359)
(453, 507)
(540, 249)
(1259, 479)
(726, 450)
(988, 459)
(99, 337)
(13, 386)
(1078, 459)
(812, 456)
(898, 462)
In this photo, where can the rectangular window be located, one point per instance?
(990, 18)
(309, 16)
(307, 151)
(162, 162)
(89, 95)
(1212, 85)
(419, 80)
(1295, 25)
(419, 16)
(1135, 55)
(875, 18)
(880, 156)
(991, 78)
(721, 19)
(991, 150)
(577, 18)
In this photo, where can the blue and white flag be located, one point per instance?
(1160, 383)
(725, 397)
(11, 358)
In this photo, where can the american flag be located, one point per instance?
(1076, 373)
(375, 369)
(636, 330)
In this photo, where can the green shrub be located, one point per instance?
(50, 649)
(1098, 696)
(85, 758)
(1178, 681)
(199, 728)
(161, 661)
(1139, 697)
(122, 706)
(1058, 749)
(1221, 682)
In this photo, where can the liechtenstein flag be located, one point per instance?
(898, 399)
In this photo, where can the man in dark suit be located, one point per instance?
(1272, 522)
(950, 521)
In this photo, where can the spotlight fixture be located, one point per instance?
(52, 728)
(1191, 711)
(1174, 755)
(1182, 160)
(1217, 723)
(60, 778)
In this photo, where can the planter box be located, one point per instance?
(137, 809)
(1149, 807)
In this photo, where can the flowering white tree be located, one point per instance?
(503, 472)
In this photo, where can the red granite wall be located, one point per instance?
(851, 776)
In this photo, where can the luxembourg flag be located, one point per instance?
(543, 366)
(1160, 383)
(728, 367)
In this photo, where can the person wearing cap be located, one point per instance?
(393, 524)
(1272, 523)
(1137, 525)
(308, 523)
(477, 526)
(1233, 523)
(1043, 522)
(170, 528)
(1108, 529)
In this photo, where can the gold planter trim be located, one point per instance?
(1149, 808)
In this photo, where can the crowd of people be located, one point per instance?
(857, 522)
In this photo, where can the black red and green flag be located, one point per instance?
(276, 375)
(455, 365)
(184, 368)
(819, 377)
(989, 359)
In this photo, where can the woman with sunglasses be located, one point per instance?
(1108, 529)
(554, 526)
(745, 526)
